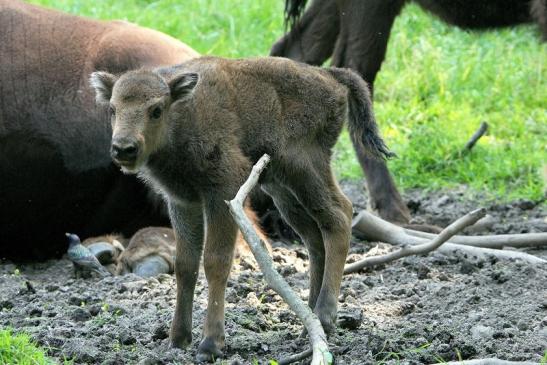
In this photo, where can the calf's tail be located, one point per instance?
(362, 125)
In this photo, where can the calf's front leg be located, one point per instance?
(187, 221)
(217, 260)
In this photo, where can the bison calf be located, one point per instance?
(193, 132)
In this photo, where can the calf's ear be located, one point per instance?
(102, 82)
(182, 85)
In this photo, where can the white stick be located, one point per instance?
(321, 354)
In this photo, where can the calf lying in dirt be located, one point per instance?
(193, 132)
(150, 252)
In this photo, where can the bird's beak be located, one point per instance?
(67, 234)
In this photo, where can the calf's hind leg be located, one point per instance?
(296, 216)
(316, 189)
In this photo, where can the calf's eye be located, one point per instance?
(112, 110)
(155, 113)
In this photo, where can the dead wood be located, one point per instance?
(476, 136)
(321, 354)
(296, 357)
(436, 242)
(489, 361)
(493, 241)
(372, 228)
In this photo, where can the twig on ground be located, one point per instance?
(436, 242)
(476, 136)
(493, 241)
(296, 357)
(372, 228)
(489, 361)
(321, 353)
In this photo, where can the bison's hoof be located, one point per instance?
(208, 351)
(151, 266)
(394, 212)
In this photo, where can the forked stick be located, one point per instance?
(372, 228)
(436, 242)
(321, 354)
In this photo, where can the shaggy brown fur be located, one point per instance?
(194, 131)
(56, 174)
(355, 34)
(160, 241)
(146, 242)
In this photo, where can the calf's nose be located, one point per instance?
(124, 150)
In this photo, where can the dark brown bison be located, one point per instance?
(193, 132)
(355, 34)
(56, 174)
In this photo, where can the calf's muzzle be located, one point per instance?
(124, 150)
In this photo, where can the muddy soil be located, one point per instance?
(418, 310)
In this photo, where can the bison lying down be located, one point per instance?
(56, 174)
(193, 132)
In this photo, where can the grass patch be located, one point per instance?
(437, 84)
(19, 349)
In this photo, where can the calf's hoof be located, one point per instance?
(208, 351)
(327, 317)
(181, 341)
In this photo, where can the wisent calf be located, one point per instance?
(193, 132)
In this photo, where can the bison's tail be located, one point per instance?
(293, 11)
(361, 124)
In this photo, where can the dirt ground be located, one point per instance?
(418, 310)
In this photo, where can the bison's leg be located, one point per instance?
(217, 260)
(384, 197)
(364, 32)
(313, 37)
(365, 26)
(538, 10)
(187, 221)
(316, 189)
(296, 216)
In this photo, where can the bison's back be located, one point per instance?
(56, 173)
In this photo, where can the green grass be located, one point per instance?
(19, 349)
(435, 88)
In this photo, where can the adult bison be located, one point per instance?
(56, 174)
(355, 33)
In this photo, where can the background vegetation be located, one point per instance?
(435, 88)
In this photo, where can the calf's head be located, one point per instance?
(139, 102)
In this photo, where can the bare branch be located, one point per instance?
(436, 242)
(489, 361)
(294, 358)
(493, 241)
(372, 228)
(321, 353)
(476, 136)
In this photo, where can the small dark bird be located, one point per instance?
(83, 259)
